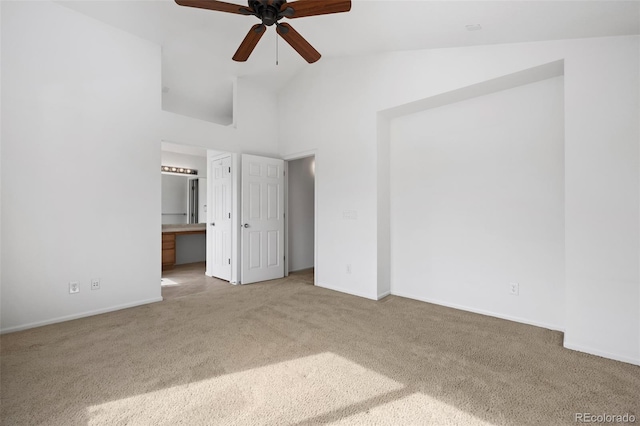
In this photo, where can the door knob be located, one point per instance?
(246, 225)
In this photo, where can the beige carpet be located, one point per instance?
(184, 280)
(286, 353)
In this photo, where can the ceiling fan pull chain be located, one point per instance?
(276, 49)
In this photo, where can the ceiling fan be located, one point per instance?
(270, 12)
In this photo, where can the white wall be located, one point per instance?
(255, 130)
(477, 202)
(75, 84)
(301, 213)
(332, 108)
(601, 193)
(80, 163)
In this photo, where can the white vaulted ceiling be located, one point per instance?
(197, 45)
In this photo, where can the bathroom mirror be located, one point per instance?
(184, 199)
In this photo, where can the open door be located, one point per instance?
(262, 219)
(219, 228)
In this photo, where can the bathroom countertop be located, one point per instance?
(192, 227)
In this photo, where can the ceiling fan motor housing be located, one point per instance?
(268, 11)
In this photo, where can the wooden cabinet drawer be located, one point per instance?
(168, 250)
(168, 257)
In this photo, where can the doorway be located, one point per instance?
(301, 216)
(183, 211)
(228, 220)
(245, 233)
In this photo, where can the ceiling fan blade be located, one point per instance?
(298, 42)
(302, 8)
(249, 43)
(219, 6)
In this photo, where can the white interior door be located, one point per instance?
(262, 219)
(219, 228)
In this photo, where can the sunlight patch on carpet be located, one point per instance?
(414, 409)
(166, 282)
(282, 393)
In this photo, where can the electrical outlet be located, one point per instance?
(514, 289)
(74, 287)
(95, 284)
(348, 268)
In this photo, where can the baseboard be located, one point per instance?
(603, 354)
(347, 291)
(383, 295)
(80, 315)
(482, 312)
(306, 268)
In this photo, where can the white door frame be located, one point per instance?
(287, 158)
(235, 224)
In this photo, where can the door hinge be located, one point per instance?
(229, 215)
(229, 169)
(229, 261)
